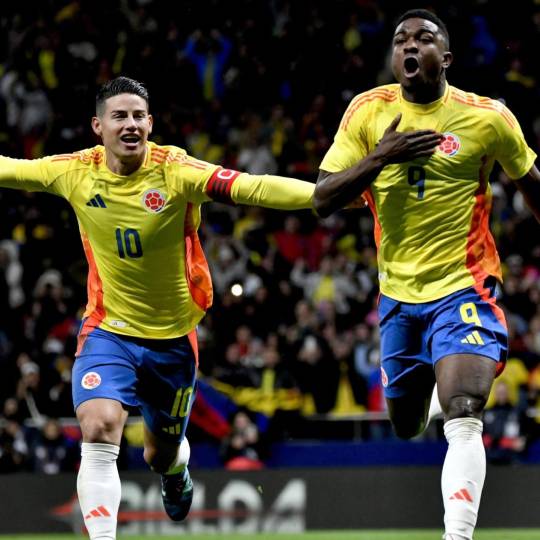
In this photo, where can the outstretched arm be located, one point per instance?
(529, 186)
(335, 190)
(266, 190)
(277, 192)
(27, 174)
(9, 172)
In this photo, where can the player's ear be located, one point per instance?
(447, 59)
(96, 125)
(150, 123)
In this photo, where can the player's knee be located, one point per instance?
(101, 428)
(101, 421)
(465, 407)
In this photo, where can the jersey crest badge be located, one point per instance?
(384, 378)
(153, 200)
(450, 145)
(91, 380)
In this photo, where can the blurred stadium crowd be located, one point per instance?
(259, 87)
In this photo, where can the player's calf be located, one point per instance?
(409, 414)
(166, 457)
(464, 382)
(98, 489)
(463, 476)
(410, 429)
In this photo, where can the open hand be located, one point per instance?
(401, 146)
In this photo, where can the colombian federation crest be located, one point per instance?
(384, 377)
(153, 200)
(91, 380)
(450, 145)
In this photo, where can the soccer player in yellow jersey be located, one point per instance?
(138, 208)
(419, 153)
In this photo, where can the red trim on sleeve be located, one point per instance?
(220, 184)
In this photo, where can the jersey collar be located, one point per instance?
(425, 108)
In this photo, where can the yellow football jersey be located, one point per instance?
(432, 214)
(147, 273)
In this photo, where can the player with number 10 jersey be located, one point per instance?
(147, 273)
(138, 208)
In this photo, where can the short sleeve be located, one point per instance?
(191, 178)
(350, 142)
(512, 151)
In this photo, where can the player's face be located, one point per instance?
(419, 54)
(124, 126)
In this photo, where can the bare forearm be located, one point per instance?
(529, 186)
(533, 202)
(335, 190)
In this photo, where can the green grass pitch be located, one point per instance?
(481, 534)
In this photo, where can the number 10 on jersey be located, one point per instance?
(128, 243)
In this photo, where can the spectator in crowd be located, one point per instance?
(12, 270)
(14, 452)
(247, 88)
(209, 54)
(32, 393)
(240, 448)
(503, 432)
(52, 453)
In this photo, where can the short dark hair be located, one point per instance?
(429, 16)
(120, 85)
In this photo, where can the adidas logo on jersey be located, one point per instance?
(474, 338)
(96, 202)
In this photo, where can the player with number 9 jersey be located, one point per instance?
(420, 153)
(427, 249)
(433, 259)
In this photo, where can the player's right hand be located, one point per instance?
(401, 146)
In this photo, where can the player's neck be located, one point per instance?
(425, 93)
(123, 167)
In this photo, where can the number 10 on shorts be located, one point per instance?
(182, 402)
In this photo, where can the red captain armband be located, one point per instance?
(220, 184)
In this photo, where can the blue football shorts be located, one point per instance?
(414, 337)
(156, 376)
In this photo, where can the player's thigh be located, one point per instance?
(464, 382)
(166, 391)
(469, 322)
(406, 369)
(103, 383)
(468, 339)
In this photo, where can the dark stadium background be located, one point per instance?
(289, 351)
